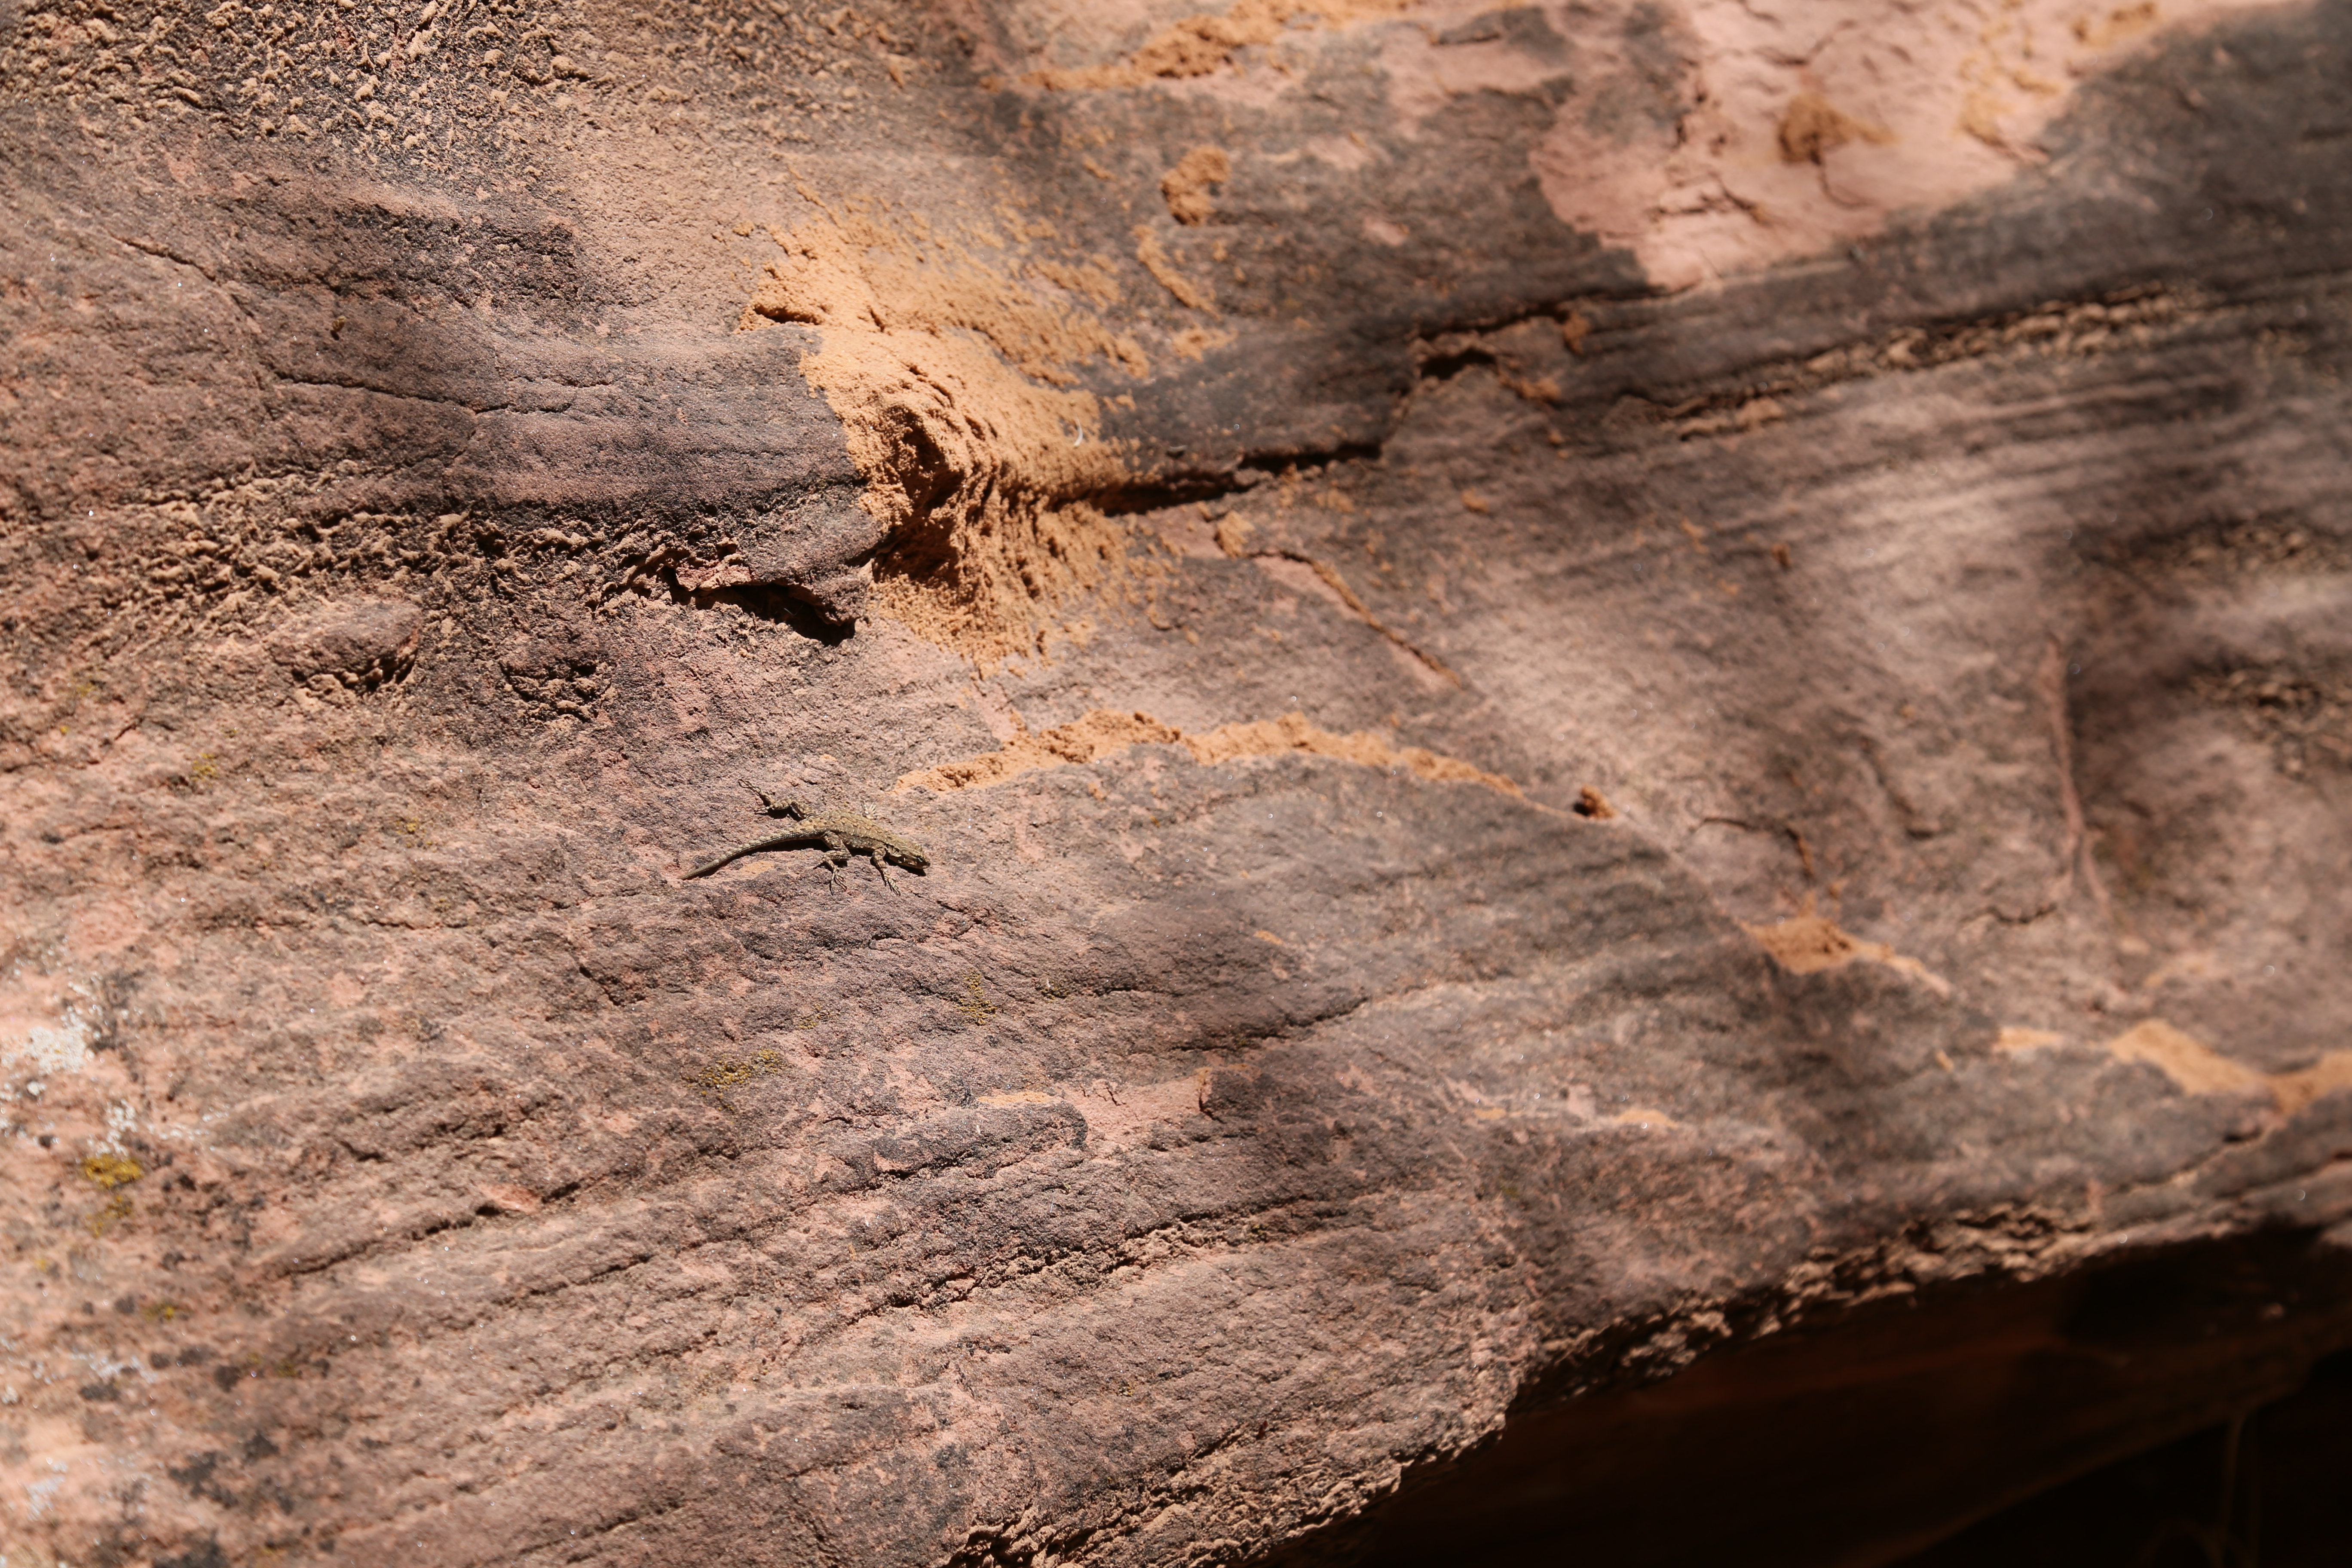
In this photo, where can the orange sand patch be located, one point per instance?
(1808, 944)
(1197, 46)
(951, 379)
(2187, 1062)
(2198, 1069)
(1156, 261)
(2327, 1075)
(1187, 187)
(1101, 732)
(1081, 740)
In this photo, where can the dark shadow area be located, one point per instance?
(1866, 1440)
(2273, 1488)
(776, 605)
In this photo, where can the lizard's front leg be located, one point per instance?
(876, 851)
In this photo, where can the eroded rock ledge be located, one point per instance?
(1633, 724)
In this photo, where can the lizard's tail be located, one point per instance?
(707, 866)
(775, 841)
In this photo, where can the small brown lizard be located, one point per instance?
(839, 833)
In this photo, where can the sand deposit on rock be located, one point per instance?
(953, 381)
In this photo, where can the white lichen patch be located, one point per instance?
(42, 1054)
(102, 1368)
(121, 1117)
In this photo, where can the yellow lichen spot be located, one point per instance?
(111, 1170)
(976, 1007)
(727, 1074)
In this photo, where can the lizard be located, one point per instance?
(839, 833)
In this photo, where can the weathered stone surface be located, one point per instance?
(1603, 702)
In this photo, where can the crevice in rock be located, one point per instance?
(1329, 577)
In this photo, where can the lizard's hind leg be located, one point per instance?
(790, 808)
(836, 856)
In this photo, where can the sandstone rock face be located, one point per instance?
(1633, 724)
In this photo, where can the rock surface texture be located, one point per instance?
(1632, 720)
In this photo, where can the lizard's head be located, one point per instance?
(909, 856)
